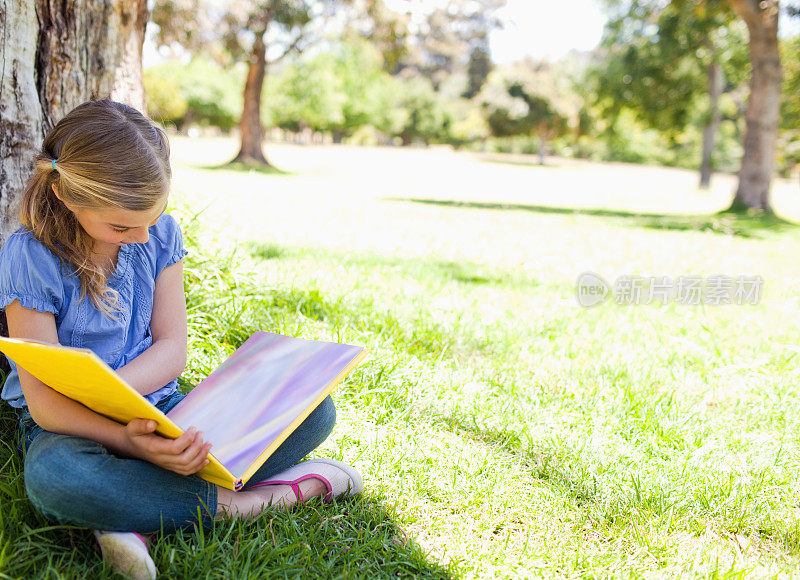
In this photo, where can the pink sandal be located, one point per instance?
(338, 477)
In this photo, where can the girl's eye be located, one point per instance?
(120, 231)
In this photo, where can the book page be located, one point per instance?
(252, 399)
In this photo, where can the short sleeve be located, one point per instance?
(30, 273)
(169, 243)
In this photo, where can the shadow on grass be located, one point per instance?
(242, 167)
(536, 164)
(731, 223)
(471, 273)
(356, 537)
(464, 272)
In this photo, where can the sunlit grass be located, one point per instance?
(502, 430)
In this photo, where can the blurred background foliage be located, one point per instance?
(371, 78)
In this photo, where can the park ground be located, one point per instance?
(502, 429)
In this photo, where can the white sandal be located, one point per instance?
(126, 553)
(338, 477)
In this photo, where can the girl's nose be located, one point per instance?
(141, 236)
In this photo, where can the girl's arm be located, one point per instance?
(57, 413)
(165, 360)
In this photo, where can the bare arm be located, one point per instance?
(50, 409)
(165, 360)
(59, 414)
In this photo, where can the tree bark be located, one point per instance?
(252, 133)
(716, 83)
(20, 112)
(763, 106)
(53, 57)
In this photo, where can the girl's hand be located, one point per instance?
(185, 455)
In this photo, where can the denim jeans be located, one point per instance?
(78, 481)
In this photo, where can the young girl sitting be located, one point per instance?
(98, 265)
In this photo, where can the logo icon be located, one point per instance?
(591, 289)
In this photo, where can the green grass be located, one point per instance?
(502, 430)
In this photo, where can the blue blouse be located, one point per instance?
(32, 274)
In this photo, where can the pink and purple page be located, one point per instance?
(258, 392)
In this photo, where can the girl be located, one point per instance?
(98, 264)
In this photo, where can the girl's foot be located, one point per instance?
(325, 478)
(126, 553)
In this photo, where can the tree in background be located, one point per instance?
(385, 29)
(443, 44)
(337, 91)
(669, 86)
(351, 99)
(763, 104)
(666, 62)
(246, 30)
(304, 95)
(478, 69)
(790, 106)
(707, 34)
(531, 98)
(513, 109)
(761, 119)
(546, 121)
(200, 92)
(367, 92)
(422, 117)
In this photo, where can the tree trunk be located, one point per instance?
(763, 106)
(716, 83)
(20, 112)
(53, 57)
(250, 125)
(542, 148)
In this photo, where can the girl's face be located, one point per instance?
(114, 227)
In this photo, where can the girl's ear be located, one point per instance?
(53, 185)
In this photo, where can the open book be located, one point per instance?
(247, 407)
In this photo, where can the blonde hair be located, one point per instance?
(108, 155)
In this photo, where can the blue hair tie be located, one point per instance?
(53, 163)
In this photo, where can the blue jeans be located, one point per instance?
(78, 481)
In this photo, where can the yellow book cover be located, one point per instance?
(247, 407)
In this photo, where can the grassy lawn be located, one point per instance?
(502, 429)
